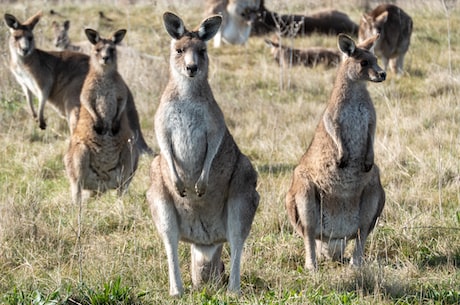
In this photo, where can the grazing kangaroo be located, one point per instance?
(310, 57)
(102, 154)
(62, 40)
(56, 77)
(395, 29)
(237, 19)
(329, 22)
(336, 193)
(203, 189)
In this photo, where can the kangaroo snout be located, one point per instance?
(192, 70)
(379, 76)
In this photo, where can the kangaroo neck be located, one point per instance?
(186, 86)
(345, 88)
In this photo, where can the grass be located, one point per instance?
(413, 256)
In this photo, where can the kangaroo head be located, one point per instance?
(104, 51)
(189, 56)
(246, 10)
(372, 25)
(359, 61)
(22, 38)
(61, 34)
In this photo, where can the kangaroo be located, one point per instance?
(237, 19)
(329, 22)
(395, 29)
(56, 77)
(102, 154)
(310, 57)
(336, 194)
(203, 189)
(62, 40)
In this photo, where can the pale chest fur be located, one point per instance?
(186, 125)
(24, 76)
(354, 120)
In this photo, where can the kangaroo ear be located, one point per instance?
(209, 27)
(32, 21)
(346, 45)
(11, 21)
(92, 35)
(369, 43)
(118, 36)
(173, 25)
(382, 18)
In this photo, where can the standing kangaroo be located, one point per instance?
(203, 189)
(56, 77)
(395, 29)
(101, 153)
(336, 193)
(62, 40)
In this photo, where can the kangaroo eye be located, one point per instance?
(364, 63)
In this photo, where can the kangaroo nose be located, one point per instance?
(192, 69)
(383, 75)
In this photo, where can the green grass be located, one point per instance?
(412, 257)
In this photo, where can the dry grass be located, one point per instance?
(413, 256)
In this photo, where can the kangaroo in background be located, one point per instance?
(336, 194)
(62, 40)
(310, 57)
(203, 189)
(102, 154)
(56, 77)
(329, 22)
(395, 29)
(237, 19)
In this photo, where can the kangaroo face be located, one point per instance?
(21, 40)
(190, 56)
(61, 35)
(360, 61)
(373, 25)
(246, 10)
(104, 51)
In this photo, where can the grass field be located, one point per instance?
(413, 255)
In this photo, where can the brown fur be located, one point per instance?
(54, 77)
(310, 57)
(395, 29)
(203, 189)
(336, 193)
(101, 154)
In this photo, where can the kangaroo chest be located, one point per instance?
(188, 126)
(354, 121)
(26, 78)
(105, 99)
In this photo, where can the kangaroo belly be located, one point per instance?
(105, 165)
(202, 223)
(339, 218)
